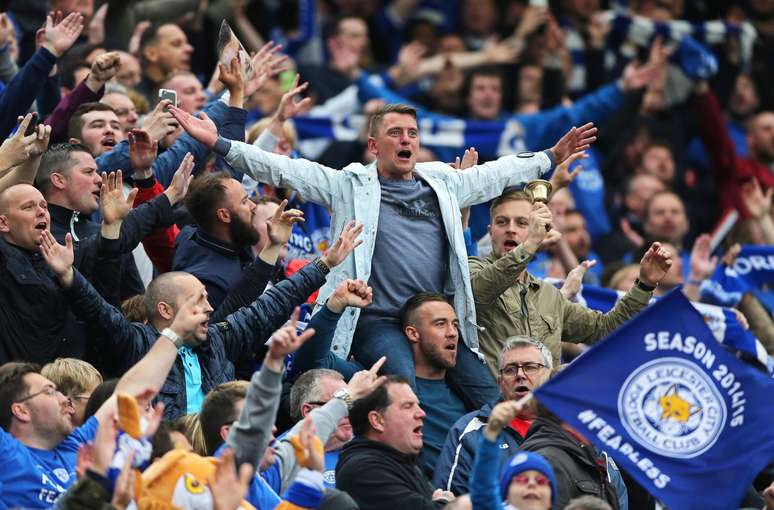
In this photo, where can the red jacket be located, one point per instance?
(160, 244)
(730, 170)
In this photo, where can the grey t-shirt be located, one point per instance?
(410, 252)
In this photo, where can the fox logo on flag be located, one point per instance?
(672, 406)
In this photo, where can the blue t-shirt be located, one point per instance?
(194, 395)
(259, 494)
(443, 408)
(34, 478)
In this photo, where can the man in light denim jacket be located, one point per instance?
(412, 213)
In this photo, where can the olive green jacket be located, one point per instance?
(505, 307)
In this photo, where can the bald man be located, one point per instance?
(35, 317)
(207, 356)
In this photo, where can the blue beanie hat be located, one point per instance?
(525, 461)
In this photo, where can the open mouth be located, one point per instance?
(510, 244)
(418, 430)
(108, 142)
(451, 346)
(41, 225)
(404, 154)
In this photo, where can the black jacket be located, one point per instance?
(233, 339)
(379, 477)
(216, 264)
(578, 469)
(64, 221)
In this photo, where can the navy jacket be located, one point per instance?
(17, 97)
(455, 464)
(216, 264)
(36, 323)
(228, 342)
(64, 221)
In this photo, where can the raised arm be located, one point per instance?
(315, 182)
(582, 325)
(104, 68)
(249, 326)
(147, 376)
(122, 340)
(22, 153)
(257, 275)
(490, 280)
(327, 417)
(18, 96)
(484, 182)
(249, 435)
(316, 353)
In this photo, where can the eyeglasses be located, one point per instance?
(529, 368)
(524, 480)
(49, 391)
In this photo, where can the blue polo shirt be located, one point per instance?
(194, 396)
(34, 478)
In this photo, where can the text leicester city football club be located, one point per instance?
(669, 341)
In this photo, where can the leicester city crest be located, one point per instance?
(671, 407)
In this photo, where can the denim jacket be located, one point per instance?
(354, 193)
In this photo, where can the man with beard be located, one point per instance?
(217, 249)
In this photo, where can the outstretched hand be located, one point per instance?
(703, 264)
(202, 129)
(577, 139)
(562, 176)
(286, 340)
(59, 36)
(181, 180)
(113, 206)
(344, 245)
(288, 107)
(59, 258)
(280, 226)
(574, 279)
(655, 264)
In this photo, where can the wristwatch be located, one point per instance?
(642, 286)
(173, 337)
(322, 266)
(343, 395)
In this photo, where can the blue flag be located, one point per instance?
(685, 418)
(753, 268)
